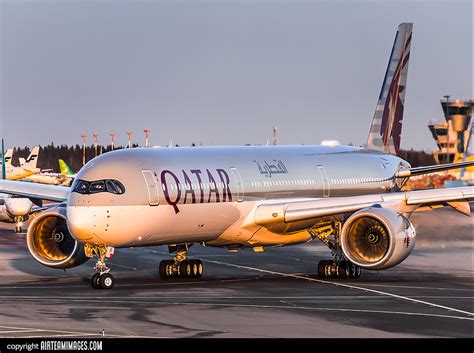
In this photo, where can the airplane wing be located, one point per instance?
(271, 214)
(35, 190)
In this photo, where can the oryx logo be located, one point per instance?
(393, 110)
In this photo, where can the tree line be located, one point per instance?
(72, 155)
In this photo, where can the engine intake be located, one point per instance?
(50, 242)
(377, 238)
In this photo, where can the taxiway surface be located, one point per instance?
(272, 294)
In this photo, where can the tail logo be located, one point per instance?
(393, 110)
(386, 129)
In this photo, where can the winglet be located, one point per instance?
(386, 129)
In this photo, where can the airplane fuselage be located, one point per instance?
(204, 194)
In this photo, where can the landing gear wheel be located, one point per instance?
(197, 268)
(166, 269)
(106, 281)
(324, 269)
(18, 229)
(95, 281)
(343, 270)
(162, 270)
(185, 269)
(169, 268)
(355, 270)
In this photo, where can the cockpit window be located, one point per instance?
(82, 187)
(97, 186)
(114, 187)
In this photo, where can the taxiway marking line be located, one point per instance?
(54, 333)
(100, 300)
(417, 287)
(20, 331)
(131, 285)
(341, 285)
(200, 297)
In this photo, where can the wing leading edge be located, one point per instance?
(34, 190)
(270, 214)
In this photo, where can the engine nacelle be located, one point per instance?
(50, 242)
(376, 238)
(18, 206)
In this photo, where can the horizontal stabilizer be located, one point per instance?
(432, 169)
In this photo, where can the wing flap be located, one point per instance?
(35, 190)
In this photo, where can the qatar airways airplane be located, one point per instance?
(252, 196)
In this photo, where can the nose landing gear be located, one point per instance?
(102, 279)
(18, 224)
(180, 266)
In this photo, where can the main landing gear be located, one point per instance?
(102, 279)
(180, 266)
(339, 267)
(333, 269)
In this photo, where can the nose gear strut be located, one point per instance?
(18, 223)
(102, 279)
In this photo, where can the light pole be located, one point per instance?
(274, 135)
(84, 141)
(112, 137)
(96, 136)
(146, 137)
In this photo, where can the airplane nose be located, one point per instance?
(80, 221)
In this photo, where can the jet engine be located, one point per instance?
(376, 238)
(50, 242)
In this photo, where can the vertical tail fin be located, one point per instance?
(8, 157)
(64, 168)
(32, 160)
(386, 128)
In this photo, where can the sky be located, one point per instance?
(223, 72)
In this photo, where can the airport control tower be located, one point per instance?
(453, 135)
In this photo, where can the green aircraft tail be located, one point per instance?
(64, 168)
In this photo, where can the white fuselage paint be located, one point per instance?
(207, 194)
